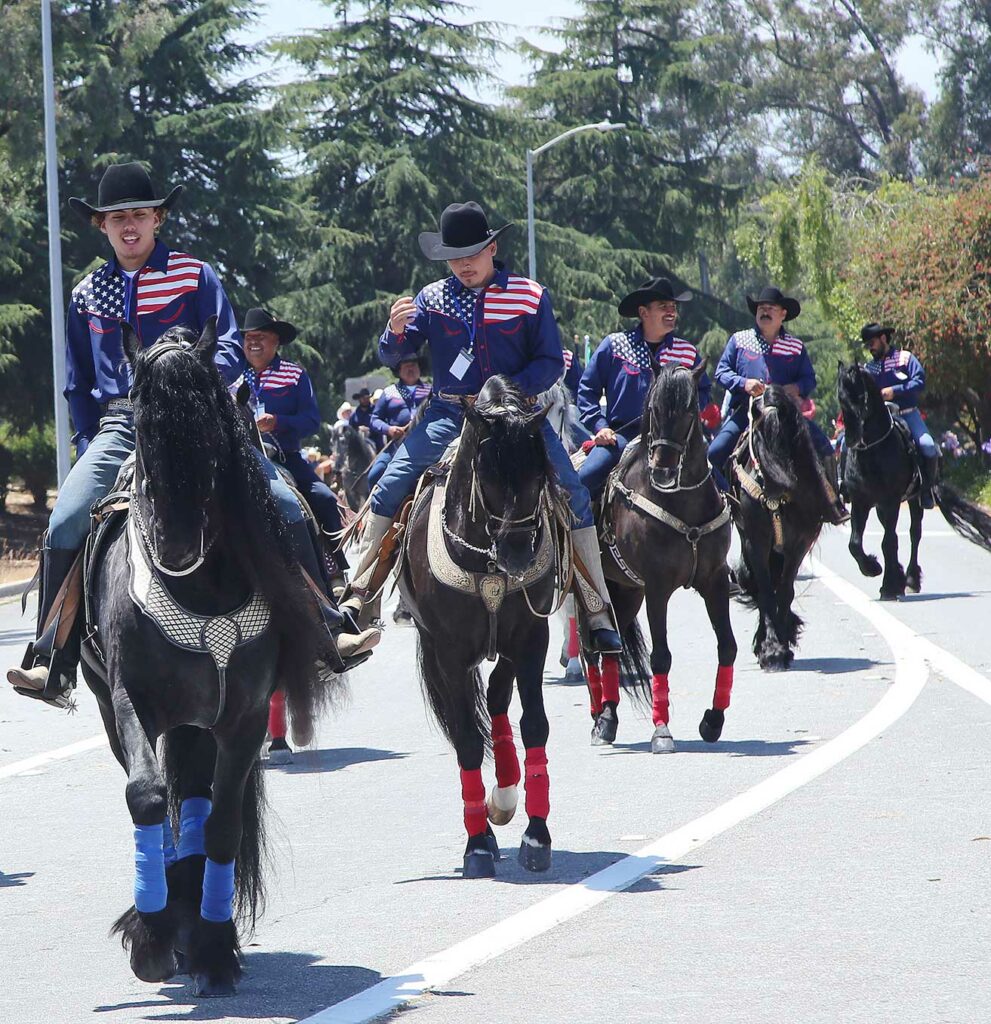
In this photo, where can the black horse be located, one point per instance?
(478, 575)
(353, 457)
(664, 525)
(880, 473)
(195, 614)
(780, 504)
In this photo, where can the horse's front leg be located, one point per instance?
(770, 640)
(535, 847)
(660, 665)
(214, 951)
(147, 929)
(913, 575)
(502, 800)
(716, 597)
(604, 686)
(868, 564)
(893, 581)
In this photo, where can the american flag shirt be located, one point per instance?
(396, 405)
(285, 389)
(748, 354)
(172, 289)
(620, 369)
(509, 327)
(903, 373)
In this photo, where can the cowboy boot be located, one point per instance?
(603, 636)
(361, 598)
(829, 476)
(48, 670)
(929, 468)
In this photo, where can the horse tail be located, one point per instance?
(456, 711)
(249, 887)
(968, 519)
(634, 663)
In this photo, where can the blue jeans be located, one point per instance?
(599, 463)
(318, 496)
(725, 441)
(427, 442)
(379, 466)
(96, 470)
(923, 439)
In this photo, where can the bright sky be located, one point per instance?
(290, 16)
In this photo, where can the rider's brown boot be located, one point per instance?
(350, 645)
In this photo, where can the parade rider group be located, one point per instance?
(479, 320)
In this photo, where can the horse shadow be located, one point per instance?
(916, 598)
(734, 748)
(274, 985)
(832, 666)
(12, 881)
(333, 759)
(567, 868)
(19, 635)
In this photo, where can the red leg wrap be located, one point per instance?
(594, 690)
(473, 794)
(277, 716)
(610, 678)
(659, 692)
(507, 764)
(573, 645)
(724, 686)
(538, 786)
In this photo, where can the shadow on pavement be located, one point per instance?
(567, 868)
(831, 666)
(735, 748)
(916, 598)
(21, 635)
(13, 881)
(274, 985)
(333, 759)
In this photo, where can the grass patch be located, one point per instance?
(971, 477)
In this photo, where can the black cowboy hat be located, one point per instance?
(363, 393)
(124, 187)
(792, 307)
(258, 319)
(654, 289)
(870, 331)
(464, 231)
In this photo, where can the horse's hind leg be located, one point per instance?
(660, 665)
(913, 576)
(502, 800)
(716, 598)
(626, 604)
(146, 930)
(868, 564)
(214, 952)
(893, 582)
(535, 847)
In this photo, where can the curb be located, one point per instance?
(14, 589)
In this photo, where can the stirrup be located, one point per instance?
(47, 694)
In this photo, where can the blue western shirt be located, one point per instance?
(903, 373)
(748, 355)
(171, 289)
(573, 370)
(362, 417)
(620, 368)
(285, 389)
(509, 328)
(396, 405)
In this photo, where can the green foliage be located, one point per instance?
(32, 459)
(971, 476)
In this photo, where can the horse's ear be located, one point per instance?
(536, 421)
(206, 347)
(472, 415)
(700, 369)
(243, 394)
(129, 340)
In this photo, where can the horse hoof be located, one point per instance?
(535, 857)
(479, 864)
(279, 752)
(501, 804)
(604, 731)
(574, 673)
(207, 989)
(181, 963)
(913, 583)
(493, 844)
(711, 726)
(661, 742)
(872, 567)
(890, 595)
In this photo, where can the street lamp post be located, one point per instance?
(54, 247)
(600, 126)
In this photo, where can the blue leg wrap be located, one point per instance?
(192, 818)
(168, 843)
(218, 891)
(150, 892)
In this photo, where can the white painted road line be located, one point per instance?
(910, 677)
(30, 764)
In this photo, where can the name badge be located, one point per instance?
(259, 410)
(460, 365)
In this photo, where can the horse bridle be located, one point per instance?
(862, 445)
(681, 447)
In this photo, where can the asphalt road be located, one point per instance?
(851, 885)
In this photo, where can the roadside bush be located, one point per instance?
(6, 467)
(33, 460)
